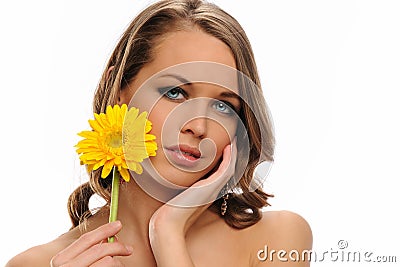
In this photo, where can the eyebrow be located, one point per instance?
(179, 78)
(183, 80)
(230, 94)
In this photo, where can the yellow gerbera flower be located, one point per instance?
(117, 131)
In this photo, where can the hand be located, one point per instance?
(176, 216)
(92, 249)
(170, 223)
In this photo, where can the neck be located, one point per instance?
(138, 201)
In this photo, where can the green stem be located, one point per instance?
(114, 200)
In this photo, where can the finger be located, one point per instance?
(204, 192)
(99, 251)
(233, 158)
(86, 241)
(228, 159)
(227, 166)
(225, 171)
(107, 262)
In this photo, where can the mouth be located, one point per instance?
(183, 155)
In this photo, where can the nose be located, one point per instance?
(197, 127)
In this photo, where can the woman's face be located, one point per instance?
(193, 122)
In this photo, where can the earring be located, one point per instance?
(224, 205)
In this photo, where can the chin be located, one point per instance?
(180, 178)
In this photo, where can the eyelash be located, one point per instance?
(164, 91)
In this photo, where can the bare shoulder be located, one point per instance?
(280, 224)
(279, 231)
(36, 256)
(41, 255)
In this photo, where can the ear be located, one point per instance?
(124, 96)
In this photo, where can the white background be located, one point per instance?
(331, 76)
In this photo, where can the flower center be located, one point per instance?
(114, 140)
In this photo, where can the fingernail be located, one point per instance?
(116, 223)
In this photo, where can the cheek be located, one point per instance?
(221, 136)
(223, 131)
(157, 122)
(157, 116)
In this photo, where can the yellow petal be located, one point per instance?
(95, 155)
(148, 126)
(139, 169)
(125, 174)
(98, 164)
(96, 125)
(110, 114)
(101, 120)
(107, 169)
(149, 137)
(118, 161)
(88, 134)
(89, 167)
(131, 165)
(119, 118)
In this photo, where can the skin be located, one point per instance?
(151, 233)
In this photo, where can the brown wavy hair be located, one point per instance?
(135, 49)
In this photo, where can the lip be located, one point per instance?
(183, 155)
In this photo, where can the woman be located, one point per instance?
(217, 220)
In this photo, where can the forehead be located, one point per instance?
(196, 45)
(194, 56)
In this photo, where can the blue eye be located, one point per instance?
(223, 107)
(175, 93)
